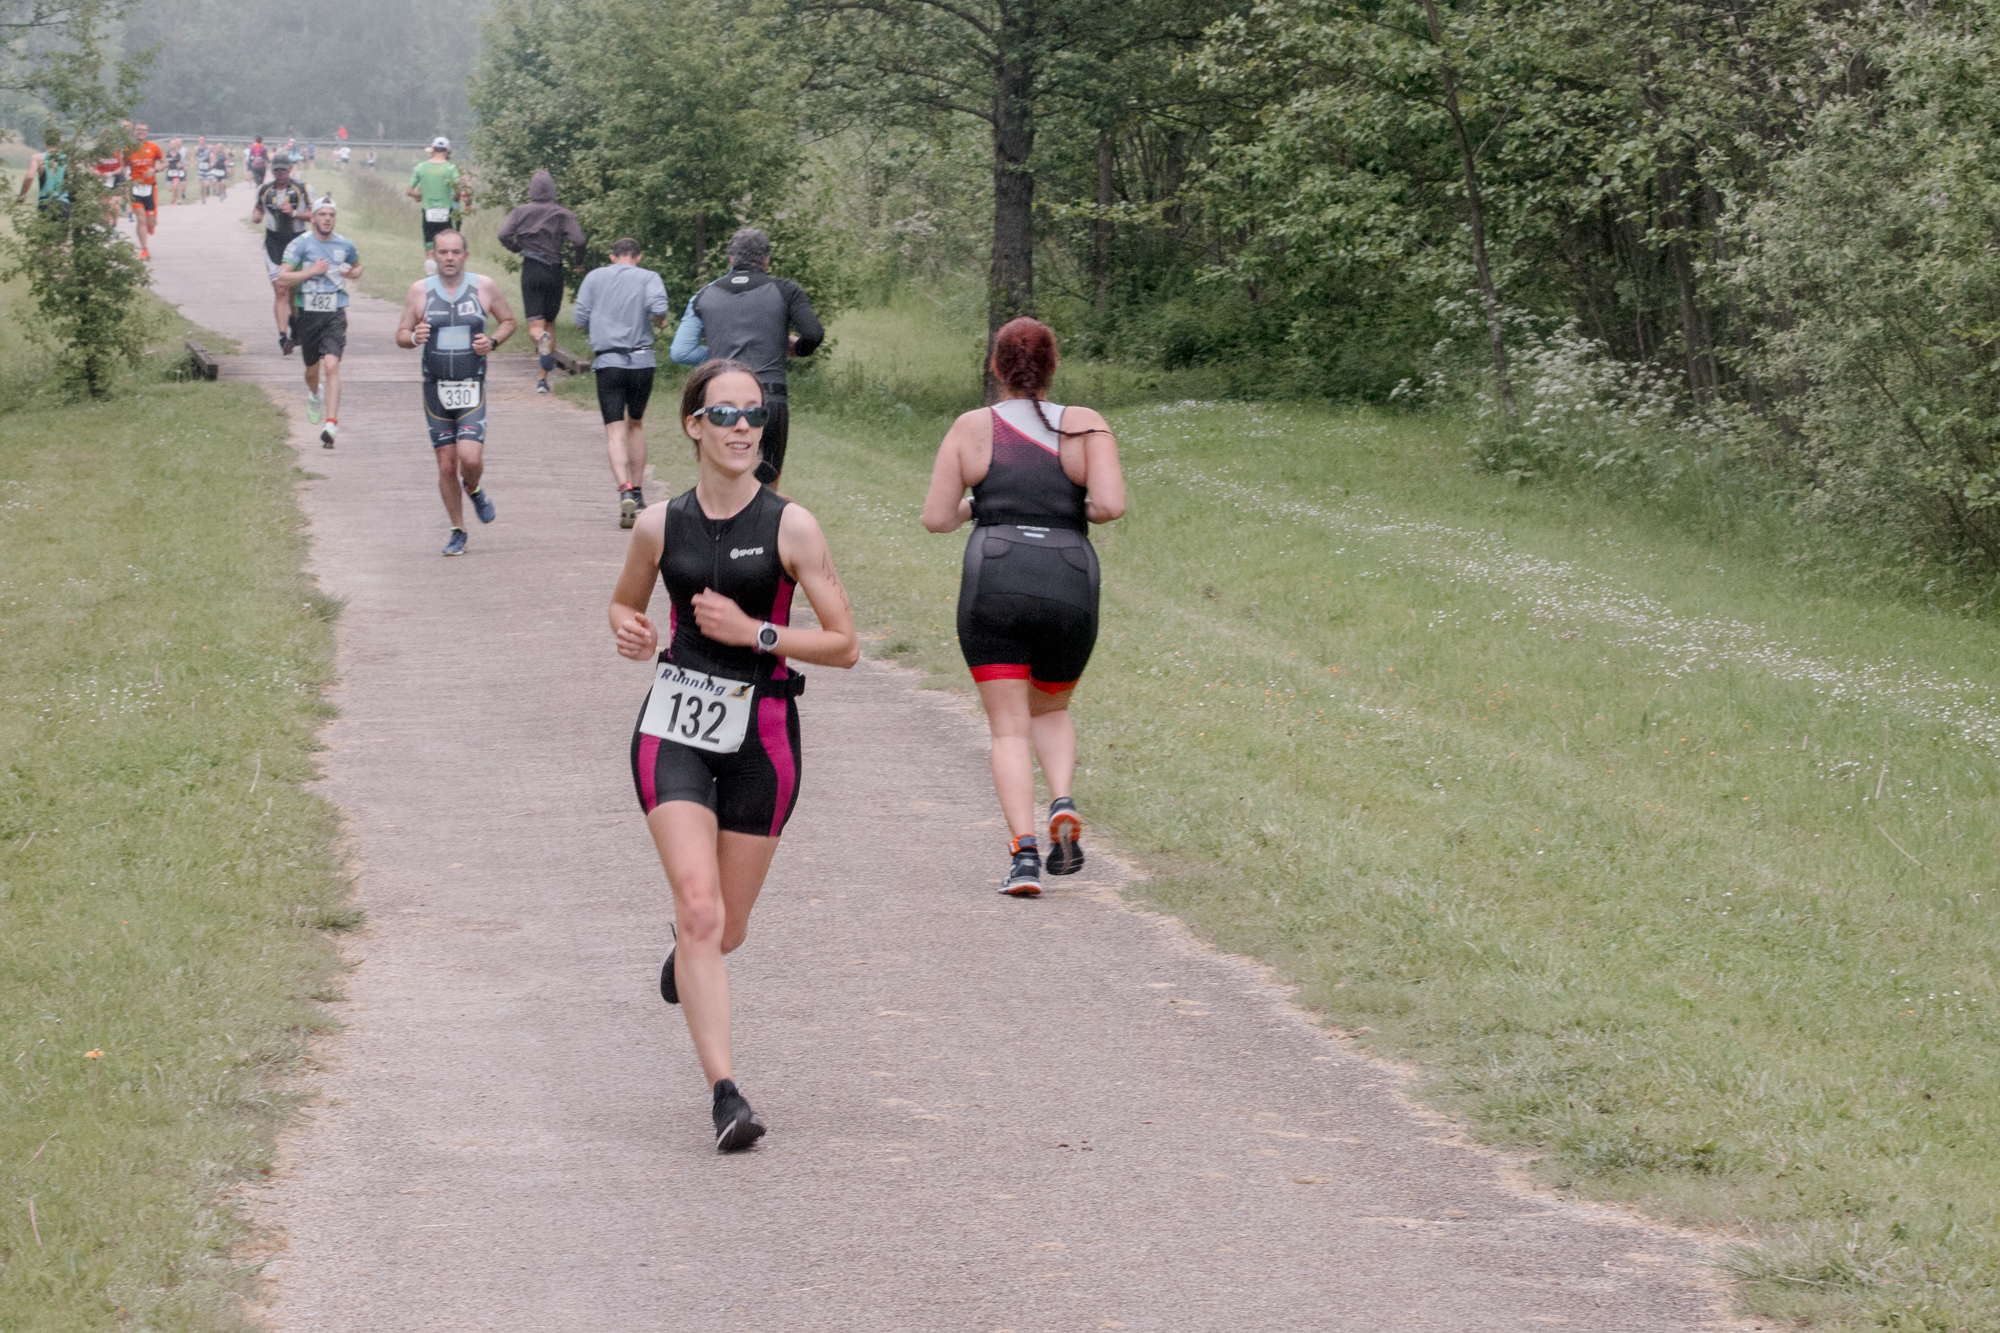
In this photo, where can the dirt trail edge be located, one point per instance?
(985, 1114)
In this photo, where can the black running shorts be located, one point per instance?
(431, 229)
(624, 392)
(319, 333)
(1027, 605)
(777, 432)
(752, 791)
(450, 425)
(541, 290)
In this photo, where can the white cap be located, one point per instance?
(325, 201)
(441, 142)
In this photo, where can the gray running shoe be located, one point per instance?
(480, 504)
(1024, 877)
(455, 544)
(1065, 837)
(628, 508)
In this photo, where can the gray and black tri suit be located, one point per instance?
(1027, 596)
(746, 315)
(753, 790)
(451, 366)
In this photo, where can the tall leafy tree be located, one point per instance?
(672, 124)
(1003, 62)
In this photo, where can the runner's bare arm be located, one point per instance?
(803, 551)
(1102, 476)
(413, 330)
(503, 315)
(947, 505)
(291, 275)
(630, 626)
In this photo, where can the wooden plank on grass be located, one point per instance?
(205, 366)
(571, 363)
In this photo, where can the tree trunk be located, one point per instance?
(1100, 232)
(1699, 356)
(1489, 297)
(1011, 288)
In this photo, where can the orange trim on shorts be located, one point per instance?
(1001, 671)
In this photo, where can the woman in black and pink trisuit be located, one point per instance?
(715, 756)
(1039, 473)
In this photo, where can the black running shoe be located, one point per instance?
(1024, 877)
(669, 991)
(1065, 837)
(638, 497)
(736, 1125)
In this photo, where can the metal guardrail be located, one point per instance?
(278, 141)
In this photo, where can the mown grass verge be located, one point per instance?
(1666, 861)
(166, 882)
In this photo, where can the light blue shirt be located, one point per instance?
(307, 249)
(688, 349)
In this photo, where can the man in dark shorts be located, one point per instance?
(142, 166)
(457, 318)
(257, 159)
(284, 209)
(316, 270)
(620, 305)
(539, 231)
(439, 188)
(747, 315)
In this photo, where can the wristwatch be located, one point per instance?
(767, 638)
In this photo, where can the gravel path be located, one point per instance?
(985, 1114)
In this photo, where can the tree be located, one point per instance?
(997, 61)
(672, 126)
(84, 277)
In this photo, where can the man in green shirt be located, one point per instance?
(439, 189)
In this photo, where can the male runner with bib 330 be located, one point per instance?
(1027, 599)
(716, 753)
(448, 315)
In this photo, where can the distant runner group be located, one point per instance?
(717, 754)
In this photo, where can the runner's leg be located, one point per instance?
(447, 461)
(635, 451)
(1054, 734)
(331, 378)
(716, 878)
(471, 465)
(1008, 716)
(617, 437)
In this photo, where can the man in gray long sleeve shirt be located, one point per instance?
(620, 305)
(747, 315)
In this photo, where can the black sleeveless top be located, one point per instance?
(1026, 485)
(737, 557)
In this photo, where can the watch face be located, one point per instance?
(767, 637)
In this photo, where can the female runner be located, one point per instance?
(1027, 600)
(716, 753)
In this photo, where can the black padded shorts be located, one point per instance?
(541, 290)
(752, 791)
(624, 391)
(319, 333)
(1027, 605)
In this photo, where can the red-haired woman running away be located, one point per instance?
(1027, 600)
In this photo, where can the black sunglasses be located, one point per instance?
(726, 417)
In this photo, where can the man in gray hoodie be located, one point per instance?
(539, 231)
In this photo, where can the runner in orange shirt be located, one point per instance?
(143, 163)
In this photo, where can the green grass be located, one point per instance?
(165, 881)
(1666, 860)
